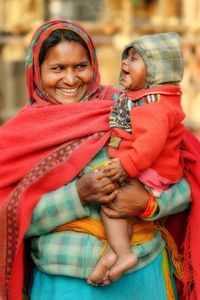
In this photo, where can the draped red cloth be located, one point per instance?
(191, 280)
(43, 148)
(46, 151)
(185, 226)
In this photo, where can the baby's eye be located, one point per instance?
(132, 58)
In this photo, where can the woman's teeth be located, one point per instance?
(66, 91)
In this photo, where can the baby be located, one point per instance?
(146, 136)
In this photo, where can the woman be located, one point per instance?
(48, 180)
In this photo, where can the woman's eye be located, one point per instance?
(57, 68)
(81, 66)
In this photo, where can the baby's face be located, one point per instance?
(133, 71)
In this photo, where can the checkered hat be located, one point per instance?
(162, 56)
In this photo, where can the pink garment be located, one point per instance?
(157, 184)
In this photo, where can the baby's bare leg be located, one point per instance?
(106, 261)
(118, 233)
(126, 259)
(118, 257)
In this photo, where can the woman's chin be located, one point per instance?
(67, 99)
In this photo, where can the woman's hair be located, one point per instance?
(57, 37)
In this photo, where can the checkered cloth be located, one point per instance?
(162, 56)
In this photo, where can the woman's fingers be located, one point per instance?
(107, 175)
(108, 189)
(110, 212)
(109, 197)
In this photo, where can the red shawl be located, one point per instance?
(191, 157)
(36, 158)
(185, 226)
(42, 149)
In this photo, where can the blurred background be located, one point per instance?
(112, 23)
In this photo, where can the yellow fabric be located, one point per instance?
(95, 227)
(167, 277)
(177, 258)
(142, 232)
(99, 165)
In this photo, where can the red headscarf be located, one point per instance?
(42, 149)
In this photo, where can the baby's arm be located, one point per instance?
(114, 170)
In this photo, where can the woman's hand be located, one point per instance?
(96, 187)
(130, 201)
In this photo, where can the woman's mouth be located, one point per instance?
(67, 91)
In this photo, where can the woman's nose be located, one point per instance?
(70, 78)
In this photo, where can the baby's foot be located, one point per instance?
(104, 264)
(123, 264)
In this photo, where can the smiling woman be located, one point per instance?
(66, 71)
(51, 143)
(65, 66)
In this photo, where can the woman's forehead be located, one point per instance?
(67, 50)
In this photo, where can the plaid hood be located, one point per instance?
(162, 56)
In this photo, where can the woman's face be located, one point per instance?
(66, 72)
(133, 71)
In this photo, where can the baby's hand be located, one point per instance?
(114, 170)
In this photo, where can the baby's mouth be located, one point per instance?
(124, 72)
